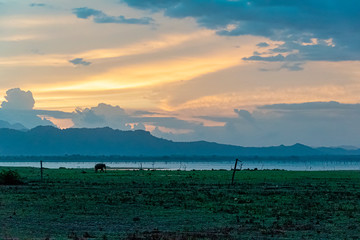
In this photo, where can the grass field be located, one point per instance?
(81, 204)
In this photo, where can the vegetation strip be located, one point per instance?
(82, 204)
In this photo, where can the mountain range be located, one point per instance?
(51, 141)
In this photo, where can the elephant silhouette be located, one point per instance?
(100, 166)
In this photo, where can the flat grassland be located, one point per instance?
(82, 204)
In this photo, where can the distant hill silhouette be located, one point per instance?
(17, 126)
(47, 140)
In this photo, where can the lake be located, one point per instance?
(291, 165)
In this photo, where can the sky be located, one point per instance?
(241, 72)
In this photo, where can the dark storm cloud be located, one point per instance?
(101, 17)
(334, 23)
(79, 61)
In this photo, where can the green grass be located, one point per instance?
(81, 204)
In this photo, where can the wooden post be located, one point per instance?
(233, 176)
(41, 170)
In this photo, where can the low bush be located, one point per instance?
(10, 177)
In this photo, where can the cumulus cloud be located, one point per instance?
(88, 116)
(103, 115)
(18, 109)
(79, 61)
(139, 126)
(245, 115)
(101, 17)
(109, 110)
(311, 123)
(18, 99)
(322, 30)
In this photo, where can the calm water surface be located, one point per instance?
(198, 165)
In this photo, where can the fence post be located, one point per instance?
(233, 176)
(41, 170)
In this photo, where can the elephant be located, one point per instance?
(100, 166)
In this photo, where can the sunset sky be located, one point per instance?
(242, 72)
